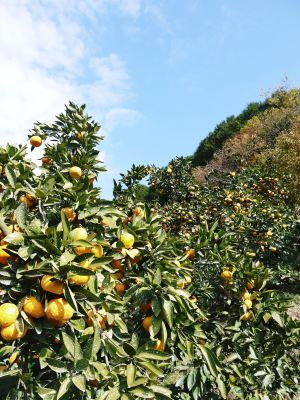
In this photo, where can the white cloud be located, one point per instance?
(154, 10)
(44, 62)
(119, 115)
(131, 7)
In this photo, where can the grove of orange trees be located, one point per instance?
(177, 291)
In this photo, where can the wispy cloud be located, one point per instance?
(121, 115)
(44, 62)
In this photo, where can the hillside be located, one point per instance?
(225, 130)
(270, 140)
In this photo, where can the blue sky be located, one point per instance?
(157, 74)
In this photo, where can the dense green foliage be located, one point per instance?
(243, 217)
(177, 290)
(242, 221)
(223, 131)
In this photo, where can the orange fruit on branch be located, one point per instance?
(4, 256)
(33, 307)
(75, 172)
(190, 254)
(147, 323)
(46, 160)
(159, 345)
(9, 312)
(27, 199)
(248, 304)
(35, 141)
(11, 332)
(77, 279)
(69, 213)
(49, 284)
(91, 317)
(145, 307)
(78, 234)
(120, 288)
(59, 310)
(247, 296)
(127, 239)
(97, 250)
(82, 250)
(250, 285)
(226, 274)
(117, 264)
(246, 316)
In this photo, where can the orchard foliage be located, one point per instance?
(239, 223)
(172, 299)
(104, 308)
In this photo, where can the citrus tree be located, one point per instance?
(94, 303)
(107, 300)
(241, 239)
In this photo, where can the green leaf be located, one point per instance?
(70, 297)
(130, 374)
(268, 379)
(66, 258)
(156, 306)
(21, 214)
(126, 396)
(64, 387)
(16, 238)
(232, 357)
(210, 359)
(252, 353)
(25, 252)
(96, 341)
(179, 292)
(190, 349)
(65, 225)
(45, 393)
(82, 364)
(162, 390)
(191, 379)
(80, 382)
(153, 355)
(152, 368)
(113, 394)
(222, 388)
(47, 246)
(101, 261)
(276, 316)
(4, 350)
(238, 392)
(69, 343)
(81, 271)
(168, 312)
(130, 350)
(78, 355)
(157, 277)
(143, 392)
(11, 176)
(155, 326)
(56, 365)
(164, 333)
